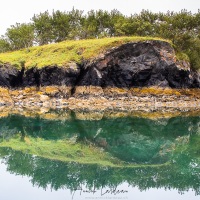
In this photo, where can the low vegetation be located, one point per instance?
(61, 54)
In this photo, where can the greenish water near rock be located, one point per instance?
(141, 152)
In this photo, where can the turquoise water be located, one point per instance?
(161, 158)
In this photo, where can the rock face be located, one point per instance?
(149, 63)
(10, 76)
(52, 75)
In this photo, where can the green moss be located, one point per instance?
(182, 56)
(61, 54)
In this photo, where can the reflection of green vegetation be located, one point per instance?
(180, 174)
(194, 148)
(130, 139)
(189, 148)
(68, 150)
(108, 152)
(62, 150)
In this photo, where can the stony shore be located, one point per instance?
(96, 99)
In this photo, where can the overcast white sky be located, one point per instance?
(12, 11)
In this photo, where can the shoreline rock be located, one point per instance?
(97, 99)
(85, 114)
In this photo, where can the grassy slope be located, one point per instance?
(61, 54)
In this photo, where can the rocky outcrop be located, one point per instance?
(136, 64)
(151, 63)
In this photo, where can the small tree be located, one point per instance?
(60, 25)
(76, 23)
(20, 36)
(43, 28)
(90, 25)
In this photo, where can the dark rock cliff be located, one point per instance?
(149, 63)
(140, 64)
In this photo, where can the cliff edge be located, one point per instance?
(134, 64)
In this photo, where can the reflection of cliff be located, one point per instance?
(130, 139)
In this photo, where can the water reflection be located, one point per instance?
(160, 153)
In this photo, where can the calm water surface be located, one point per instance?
(72, 157)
